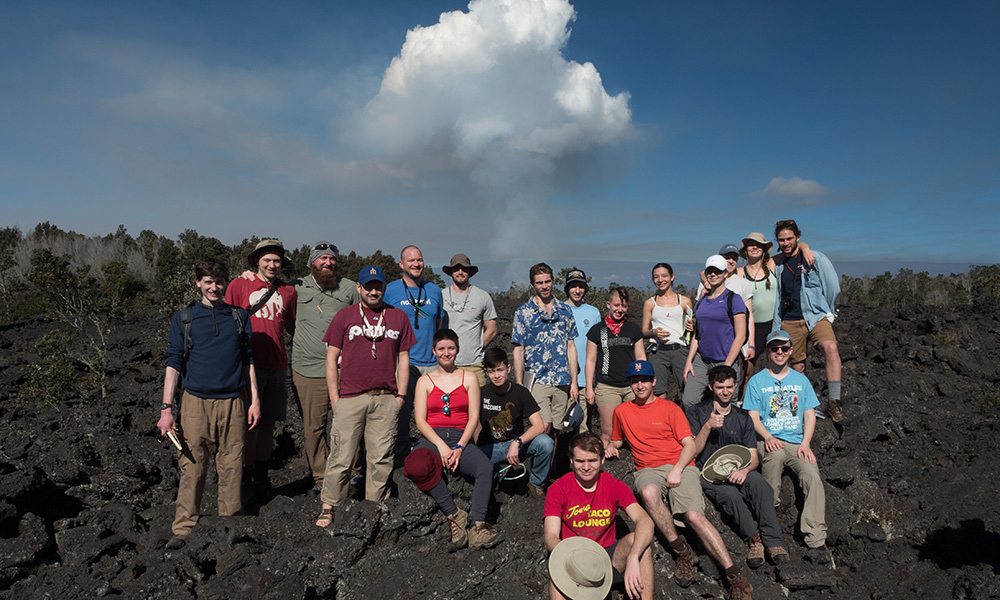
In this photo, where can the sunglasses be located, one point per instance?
(446, 409)
(330, 247)
(789, 224)
(713, 271)
(780, 349)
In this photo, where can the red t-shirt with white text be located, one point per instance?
(588, 514)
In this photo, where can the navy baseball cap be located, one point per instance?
(729, 249)
(371, 273)
(641, 368)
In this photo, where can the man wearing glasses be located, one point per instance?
(471, 315)
(805, 309)
(321, 295)
(782, 404)
(542, 336)
(371, 340)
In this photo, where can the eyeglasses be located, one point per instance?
(446, 409)
(780, 349)
(330, 247)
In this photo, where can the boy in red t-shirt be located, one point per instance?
(659, 436)
(585, 503)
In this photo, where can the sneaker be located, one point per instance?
(836, 412)
(755, 552)
(684, 567)
(357, 480)
(820, 555)
(175, 543)
(739, 587)
(481, 535)
(316, 489)
(778, 555)
(456, 529)
(536, 492)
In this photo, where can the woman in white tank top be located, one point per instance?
(663, 322)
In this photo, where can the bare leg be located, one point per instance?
(710, 537)
(832, 355)
(607, 414)
(619, 562)
(652, 499)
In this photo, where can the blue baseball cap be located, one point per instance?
(371, 273)
(641, 368)
(778, 336)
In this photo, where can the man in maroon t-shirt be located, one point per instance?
(372, 341)
(585, 502)
(271, 303)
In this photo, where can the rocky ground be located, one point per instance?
(87, 490)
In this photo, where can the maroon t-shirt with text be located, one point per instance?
(359, 372)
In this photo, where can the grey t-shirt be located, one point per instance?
(466, 315)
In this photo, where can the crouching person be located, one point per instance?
(446, 410)
(501, 434)
(210, 342)
(585, 502)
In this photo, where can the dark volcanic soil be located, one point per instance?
(87, 491)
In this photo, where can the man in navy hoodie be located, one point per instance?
(216, 358)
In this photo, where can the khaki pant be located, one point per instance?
(553, 402)
(203, 422)
(772, 464)
(373, 419)
(315, 405)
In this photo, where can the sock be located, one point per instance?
(833, 388)
(732, 572)
(678, 546)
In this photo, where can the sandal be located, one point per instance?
(325, 518)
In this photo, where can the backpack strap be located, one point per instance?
(187, 315)
(260, 303)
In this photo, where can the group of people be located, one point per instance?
(368, 354)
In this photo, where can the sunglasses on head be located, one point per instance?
(325, 247)
(789, 224)
(446, 409)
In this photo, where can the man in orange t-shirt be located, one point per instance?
(663, 449)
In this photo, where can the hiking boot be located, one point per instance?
(482, 536)
(316, 489)
(684, 567)
(820, 555)
(835, 411)
(262, 483)
(175, 543)
(739, 587)
(778, 555)
(536, 492)
(457, 524)
(755, 552)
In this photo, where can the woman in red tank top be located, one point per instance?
(446, 410)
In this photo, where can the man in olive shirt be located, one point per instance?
(320, 295)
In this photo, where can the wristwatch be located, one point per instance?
(519, 441)
(166, 406)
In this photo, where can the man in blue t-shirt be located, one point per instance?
(782, 404)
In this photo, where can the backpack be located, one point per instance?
(187, 315)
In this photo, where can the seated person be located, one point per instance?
(446, 421)
(717, 423)
(782, 404)
(585, 502)
(663, 448)
(501, 435)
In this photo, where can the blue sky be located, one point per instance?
(514, 131)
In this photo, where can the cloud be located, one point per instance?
(803, 191)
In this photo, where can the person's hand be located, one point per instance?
(674, 476)
(247, 275)
(661, 334)
(716, 420)
(400, 400)
(574, 392)
(454, 458)
(738, 477)
(610, 451)
(590, 395)
(633, 578)
(689, 324)
(445, 452)
(806, 454)
(688, 368)
(253, 414)
(166, 421)
(773, 444)
(514, 454)
(751, 352)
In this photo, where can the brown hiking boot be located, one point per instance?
(755, 552)
(739, 587)
(835, 411)
(456, 529)
(481, 535)
(778, 555)
(684, 567)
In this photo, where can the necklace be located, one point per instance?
(373, 333)
(451, 300)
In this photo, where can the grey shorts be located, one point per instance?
(683, 498)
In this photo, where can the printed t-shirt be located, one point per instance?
(269, 322)
(545, 339)
(737, 428)
(458, 406)
(781, 403)
(467, 314)
(588, 514)
(428, 297)
(653, 431)
(502, 415)
(715, 332)
(614, 352)
(586, 316)
(315, 309)
(359, 371)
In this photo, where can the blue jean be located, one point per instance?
(540, 448)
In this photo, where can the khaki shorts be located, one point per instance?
(477, 370)
(611, 395)
(800, 334)
(553, 402)
(684, 498)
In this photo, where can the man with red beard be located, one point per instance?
(321, 294)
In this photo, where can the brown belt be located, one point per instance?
(378, 392)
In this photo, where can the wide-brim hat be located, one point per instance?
(423, 467)
(268, 247)
(573, 416)
(724, 461)
(581, 569)
(460, 260)
(759, 239)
